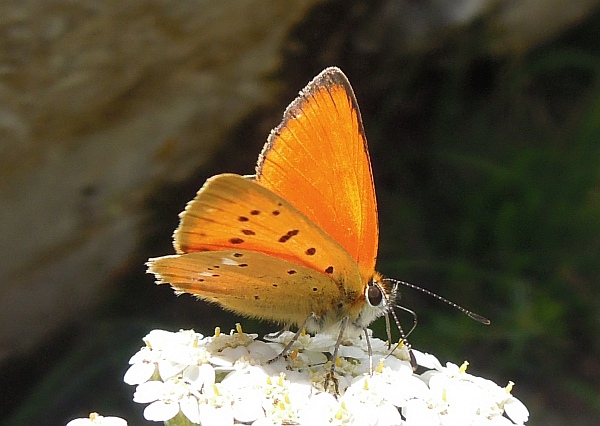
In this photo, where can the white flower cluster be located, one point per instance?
(228, 379)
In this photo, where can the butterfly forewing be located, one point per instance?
(232, 212)
(317, 159)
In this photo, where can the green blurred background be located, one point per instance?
(487, 176)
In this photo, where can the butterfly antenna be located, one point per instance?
(470, 314)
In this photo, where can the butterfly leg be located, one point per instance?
(388, 330)
(287, 347)
(330, 376)
(369, 350)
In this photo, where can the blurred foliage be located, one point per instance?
(503, 214)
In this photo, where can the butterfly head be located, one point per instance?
(379, 298)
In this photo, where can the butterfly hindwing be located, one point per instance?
(252, 284)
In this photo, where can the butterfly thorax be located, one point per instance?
(361, 309)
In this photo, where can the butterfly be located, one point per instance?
(297, 243)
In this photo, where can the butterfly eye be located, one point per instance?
(374, 295)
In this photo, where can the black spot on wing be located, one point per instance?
(288, 235)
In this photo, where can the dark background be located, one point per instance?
(486, 168)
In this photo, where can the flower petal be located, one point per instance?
(161, 411)
(139, 373)
(516, 411)
(149, 391)
(190, 409)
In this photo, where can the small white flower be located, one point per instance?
(168, 399)
(96, 419)
(143, 366)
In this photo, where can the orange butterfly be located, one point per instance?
(298, 243)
